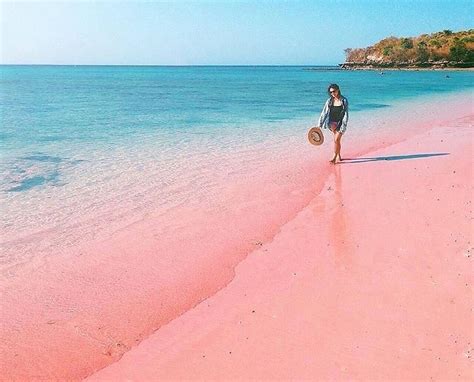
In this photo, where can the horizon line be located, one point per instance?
(175, 65)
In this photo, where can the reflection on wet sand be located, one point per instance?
(340, 248)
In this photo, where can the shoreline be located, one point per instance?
(348, 288)
(413, 69)
(73, 332)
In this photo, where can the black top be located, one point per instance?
(335, 113)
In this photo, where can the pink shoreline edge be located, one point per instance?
(379, 288)
(79, 313)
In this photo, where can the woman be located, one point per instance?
(334, 117)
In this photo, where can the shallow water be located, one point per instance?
(87, 150)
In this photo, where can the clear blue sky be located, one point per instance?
(218, 32)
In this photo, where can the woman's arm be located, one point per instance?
(324, 114)
(346, 116)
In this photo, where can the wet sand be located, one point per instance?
(371, 280)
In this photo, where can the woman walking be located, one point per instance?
(334, 117)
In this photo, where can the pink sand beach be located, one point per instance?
(381, 288)
(362, 270)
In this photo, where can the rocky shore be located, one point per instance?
(436, 65)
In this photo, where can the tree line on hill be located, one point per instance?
(441, 49)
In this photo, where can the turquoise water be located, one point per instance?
(55, 115)
(87, 105)
(87, 150)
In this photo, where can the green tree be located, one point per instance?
(387, 51)
(406, 43)
(460, 53)
(422, 54)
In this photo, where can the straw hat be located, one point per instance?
(315, 136)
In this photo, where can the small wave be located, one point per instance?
(365, 106)
(34, 181)
(43, 158)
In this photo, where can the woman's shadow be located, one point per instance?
(393, 157)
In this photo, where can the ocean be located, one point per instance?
(89, 150)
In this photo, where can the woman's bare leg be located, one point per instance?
(337, 146)
(333, 130)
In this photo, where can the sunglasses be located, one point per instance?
(333, 91)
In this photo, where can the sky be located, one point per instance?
(197, 32)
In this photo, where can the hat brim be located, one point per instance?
(315, 136)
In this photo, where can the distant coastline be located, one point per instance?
(444, 50)
(428, 66)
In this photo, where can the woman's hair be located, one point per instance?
(335, 87)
